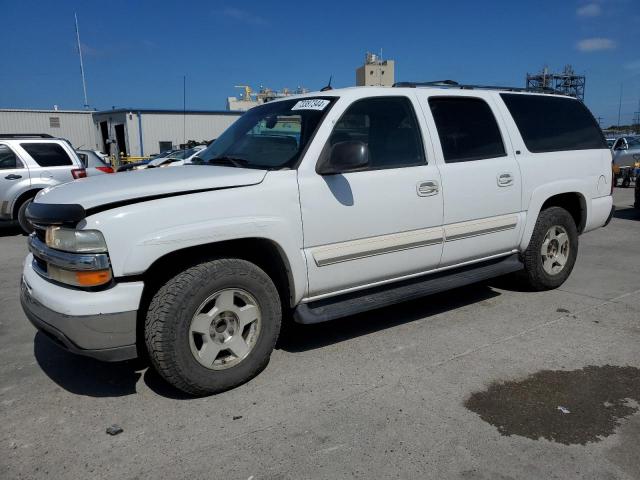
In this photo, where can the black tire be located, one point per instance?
(534, 273)
(25, 224)
(173, 307)
(626, 181)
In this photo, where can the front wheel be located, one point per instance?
(213, 326)
(552, 251)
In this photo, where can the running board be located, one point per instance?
(377, 297)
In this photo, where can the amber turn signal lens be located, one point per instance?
(93, 279)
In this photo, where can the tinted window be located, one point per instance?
(8, 159)
(549, 124)
(467, 129)
(47, 154)
(388, 126)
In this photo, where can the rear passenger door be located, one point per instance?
(481, 182)
(53, 162)
(14, 179)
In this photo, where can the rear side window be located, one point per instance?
(8, 159)
(552, 124)
(388, 126)
(467, 129)
(47, 154)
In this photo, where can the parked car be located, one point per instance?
(94, 164)
(177, 158)
(626, 154)
(326, 205)
(28, 164)
(636, 202)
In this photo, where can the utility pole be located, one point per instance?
(84, 84)
(619, 106)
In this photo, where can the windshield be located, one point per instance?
(270, 136)
(633, 142)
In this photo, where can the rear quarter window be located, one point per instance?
(47, 154)
(552, 124)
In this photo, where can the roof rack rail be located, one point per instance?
(25, 135)
(454, 84)
(435, 83)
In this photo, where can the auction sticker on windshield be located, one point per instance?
(311, 104)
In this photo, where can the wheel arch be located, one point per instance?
(570, 197)
(263, 252)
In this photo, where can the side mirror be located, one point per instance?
(344, 157)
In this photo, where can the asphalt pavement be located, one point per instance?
(483, 382)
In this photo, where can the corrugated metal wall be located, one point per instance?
(75, 126)
(175, 128)
(83, 131)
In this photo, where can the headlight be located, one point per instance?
(76, 241)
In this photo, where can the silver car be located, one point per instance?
(29, 163)
(626, 151)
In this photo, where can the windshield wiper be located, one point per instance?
(227, 160)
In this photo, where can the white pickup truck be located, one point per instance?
(322, 205)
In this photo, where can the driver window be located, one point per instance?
(8, 159)
(620, 144)
(389, 128)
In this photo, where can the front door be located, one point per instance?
(481, 181)
(384, 222)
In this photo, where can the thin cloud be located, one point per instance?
(88, 51)
(589, 10)
(244, 16)
(634, 65)
(595, 44)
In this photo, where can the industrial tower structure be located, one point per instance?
(566, 82)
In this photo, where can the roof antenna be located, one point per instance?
(328, 86)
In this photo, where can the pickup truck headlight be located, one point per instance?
(75, 241)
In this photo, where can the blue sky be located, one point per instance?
(137, 51)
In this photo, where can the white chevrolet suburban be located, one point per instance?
(323, 205)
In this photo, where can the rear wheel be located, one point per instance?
(552, 251)
(213, 326)
(25, 224)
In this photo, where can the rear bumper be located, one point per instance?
(613, 210)
(86, 323)
(600, 213)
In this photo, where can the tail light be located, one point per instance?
(105, 169)
(79, 173)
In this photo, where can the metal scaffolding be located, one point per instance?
(566, 82)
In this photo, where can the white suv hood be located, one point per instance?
(153, 183)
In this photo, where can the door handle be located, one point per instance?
(428, 188)
(13, 176)
(505, 179)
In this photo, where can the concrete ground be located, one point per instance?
(379, 395)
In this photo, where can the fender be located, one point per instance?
(541, 194)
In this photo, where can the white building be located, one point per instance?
(130, 131)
